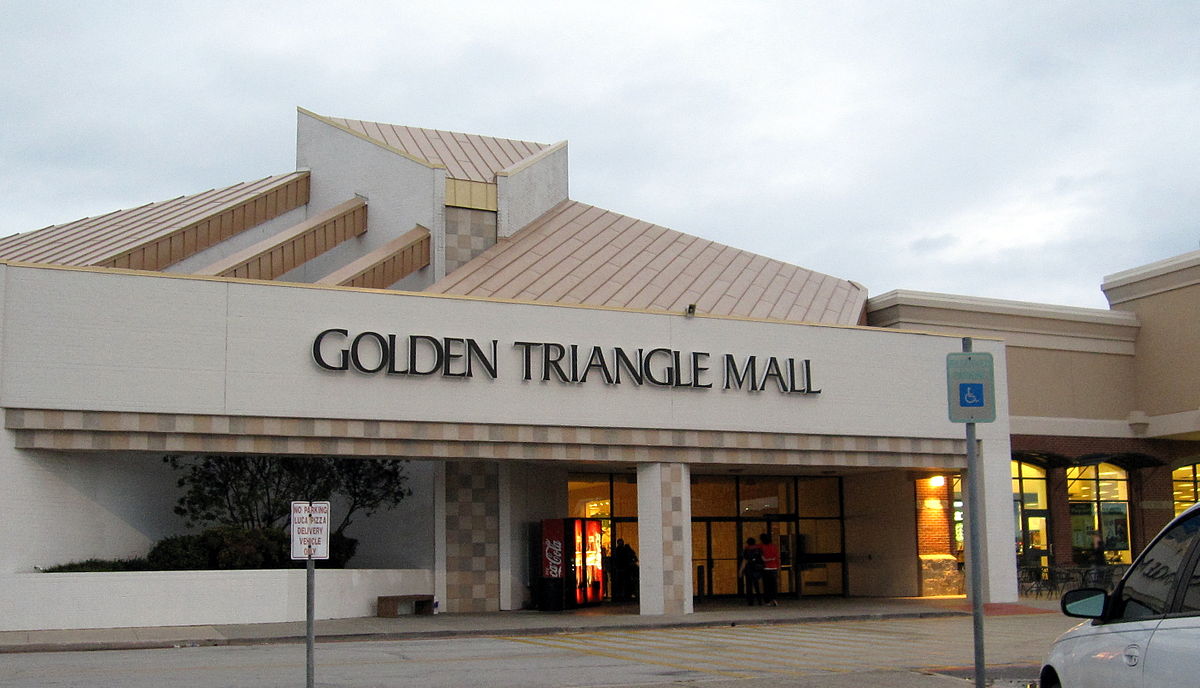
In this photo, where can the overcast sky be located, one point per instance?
(1010, 150)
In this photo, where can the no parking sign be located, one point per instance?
(310, 530)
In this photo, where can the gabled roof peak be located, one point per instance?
(469, 157)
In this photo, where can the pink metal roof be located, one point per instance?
(465, 156)
(93, 240)
(581, 254)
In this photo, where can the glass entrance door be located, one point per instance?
(1034, 534)
(715, 555)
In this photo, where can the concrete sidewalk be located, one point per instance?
(608, 617)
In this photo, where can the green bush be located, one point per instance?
(221, 547)
(179, 553)
(102, 565)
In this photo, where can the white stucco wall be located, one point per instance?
(531, 188)
(39, 601)
(128, 342)
(65, 508)
(529, 493)
(123, 342)
(881, 527)
(400, 193)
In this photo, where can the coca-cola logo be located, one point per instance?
(553, 555)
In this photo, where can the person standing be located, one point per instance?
(770, 555)
(624, 571)
(751, 571)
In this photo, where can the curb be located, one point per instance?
(100, 646)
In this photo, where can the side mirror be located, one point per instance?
(1085, 603)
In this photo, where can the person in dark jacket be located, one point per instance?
(751, 571)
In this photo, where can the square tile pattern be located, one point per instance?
(468, 233)
(676, 531)
(472, 536)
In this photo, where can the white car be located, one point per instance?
(1146, 633)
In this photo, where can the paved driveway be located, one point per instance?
(893, 652)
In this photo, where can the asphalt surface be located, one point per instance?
(828, 643)
(624, 616)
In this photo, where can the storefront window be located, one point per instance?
(1099, 505)
(802, 514)
(1031, 515)
(958, 516)
(589, 496)
(765, 497)
(819, 498)
(625, 502)
(713, 496)
(1185, 487)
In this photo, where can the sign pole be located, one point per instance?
(975, 556)
(310, 624)
(310, 541)
(971, 399)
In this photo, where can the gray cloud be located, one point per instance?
(1014, 151)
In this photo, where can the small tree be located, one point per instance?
(256, 492)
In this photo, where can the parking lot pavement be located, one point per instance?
(926, 651)
(724, 612)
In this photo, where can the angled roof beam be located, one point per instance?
(387, 264)
(275, 255)
(161, 252)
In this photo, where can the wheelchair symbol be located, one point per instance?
(970, 394)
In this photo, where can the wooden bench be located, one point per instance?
(389, 605)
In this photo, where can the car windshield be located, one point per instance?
(1147, 589)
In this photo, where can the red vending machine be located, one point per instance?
(571, 563)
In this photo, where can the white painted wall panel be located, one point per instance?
(525, 194)
(61, 509)
(124, 342)
(111, 341)
(400, 193)
(881, 527)
(190, 598)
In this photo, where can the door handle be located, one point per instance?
(1133, 654)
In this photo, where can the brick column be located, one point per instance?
(1060, 517)
(1152, 501)
(940, 574)
(665, 537)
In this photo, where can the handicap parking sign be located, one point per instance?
(970, 394)
(970, 380)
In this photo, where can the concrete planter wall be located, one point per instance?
(189, 598)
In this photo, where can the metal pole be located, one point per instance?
(974, 550)
(310, 631)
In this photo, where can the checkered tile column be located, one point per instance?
(472, 536)
(665, 537)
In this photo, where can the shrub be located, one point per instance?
(179, 553)
(101, 565)
(221, 547)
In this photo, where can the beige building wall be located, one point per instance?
(1062, 362)
(1165, 298)
(1168, 348)
(1073, 384)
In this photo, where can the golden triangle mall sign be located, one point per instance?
(372, 353)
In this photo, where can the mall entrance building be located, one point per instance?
(822, 443)
(439, 297)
